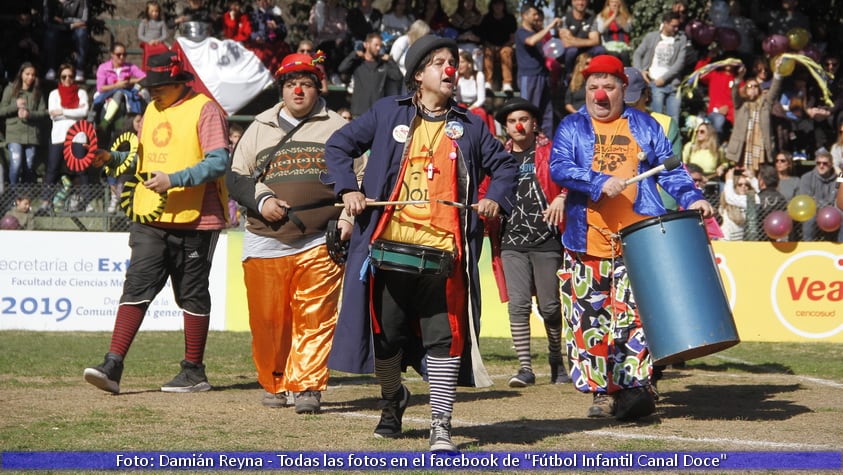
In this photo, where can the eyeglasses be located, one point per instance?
(742, 183)
(752, 86)
(119, 55)
(823, 164)
(308, 51)
(67, 76)
(781, 160)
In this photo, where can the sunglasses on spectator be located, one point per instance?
(67, 76)
(120, 54)
(303, 51)
(823, 163)
(741, 183)
(751, 86)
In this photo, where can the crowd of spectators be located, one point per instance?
(741, 114)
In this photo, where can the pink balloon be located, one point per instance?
(775, 45)
(728, 38)
(829, 219)
(9, 222)
(778, 224)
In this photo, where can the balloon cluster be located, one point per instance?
(778, 224)
(797, 41)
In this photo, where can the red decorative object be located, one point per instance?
(79, 156)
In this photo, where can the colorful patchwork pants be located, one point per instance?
(604, 337)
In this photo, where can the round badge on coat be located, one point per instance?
(400, 133)
(454, 130)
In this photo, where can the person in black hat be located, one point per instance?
(179, 206)
(418, 299)
(526, 244)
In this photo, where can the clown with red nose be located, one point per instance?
(596, 151)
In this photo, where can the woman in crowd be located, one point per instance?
(704, 150)
(22, 107)
(751, 141)
(471, 90)
(614, 23)
(575, 95)
(733, 204)
(788, 184)
(399, 48)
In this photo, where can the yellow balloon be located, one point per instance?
(786, 68)
(802, 208)
(798, 38)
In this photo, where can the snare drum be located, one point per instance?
(410, 258)
(195, 30)
(677, 287)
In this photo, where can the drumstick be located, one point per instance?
(454, 204)
(668, 164)
(388, 203)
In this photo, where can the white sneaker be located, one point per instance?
(51, 75)
(488, 86)
(507, 87)
(79, 76)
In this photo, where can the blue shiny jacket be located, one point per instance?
(571, 162)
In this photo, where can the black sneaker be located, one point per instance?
(440, 434)
(191, 379)
(392, 410)
(308, 402)
(524, 378)
(602, 406)
(558, 375)
(107, 375)
(634, 403)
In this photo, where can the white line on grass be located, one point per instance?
(819, 381)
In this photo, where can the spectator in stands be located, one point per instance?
(375, 74)
(801, 127)
(197, 11)
(767, 200)
(363, 20)
(399, 48)
(19, 43)
(721, 108)
(329, 30)
(117, 90)
(65, 20)
(22, 107)
(396, 21)
(837, 151)
(434, 15)
(466, 21)
(578, 32)
(614, 23)
(820, 184)
(762, 72)
(788, 184)
(307, 47)
(781, 21)
(681, 7)
(533, 80)
(704, 150)
(23, 212)
(575, 94)
(235, 24)
(733, 203)
(66, 104)
(498, 33)
(235, 131)
(345, 113)
(269, 34)
(471, 91)
(660, 58)
(152, 32)
(751, 141)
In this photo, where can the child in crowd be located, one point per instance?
(235, 131)
(152, 32)
(22, 212)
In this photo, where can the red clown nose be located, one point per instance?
(298, 90)
(450, 70)
(519, 127)
(600, 95)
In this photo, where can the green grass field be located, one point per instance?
(752, 397)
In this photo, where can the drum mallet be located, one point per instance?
(389, 203)
(668, 164)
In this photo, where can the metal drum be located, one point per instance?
(195, 30)
(677, 287)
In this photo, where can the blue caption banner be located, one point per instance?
(394, 461)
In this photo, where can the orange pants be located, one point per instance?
(292, 314)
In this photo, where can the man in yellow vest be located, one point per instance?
(179, 205)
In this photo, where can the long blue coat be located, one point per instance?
(480, 153)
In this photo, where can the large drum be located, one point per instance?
(195, 31)
(677, 287)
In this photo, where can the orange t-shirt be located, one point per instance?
(615, 153)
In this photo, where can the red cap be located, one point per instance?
(300, 62)
(605, 63)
